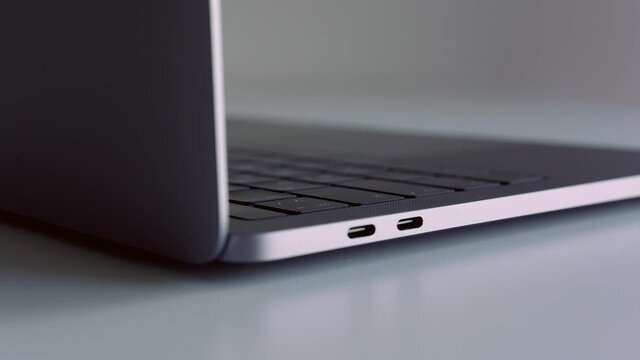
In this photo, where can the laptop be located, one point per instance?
(112, 124)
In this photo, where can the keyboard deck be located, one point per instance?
(271, 185)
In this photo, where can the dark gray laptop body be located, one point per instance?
(112, 124)
(107, 121)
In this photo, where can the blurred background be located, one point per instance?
(307, 59)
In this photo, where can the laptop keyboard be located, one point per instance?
(271, 185)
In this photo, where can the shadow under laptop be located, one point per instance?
(48, 273)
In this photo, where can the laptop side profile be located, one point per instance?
(112, 124)
(375, 186)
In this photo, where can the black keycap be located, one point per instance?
(454, 183)
(328, 178)
(252, 213)
(396, 188)
(424, 169)
(287, 185)
(256, 196)
(511, 178)
(311, 166)
(237, 188)
(396, 175)
(302, 205)
(284, 172)
(507, 178)
(272, 161)
(247, 179)
(455, 169)
(351, 196)
(504, 177)
(349, 169)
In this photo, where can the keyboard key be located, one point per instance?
(285, 172)
(287, 185)
(454, 183)
(312, 166)
(329, 179)
(396, 188)
(454, 169)
(353, 170)
(247, 179)
(272, 161)
(351, 196)
(252, 213)
(302, 205)
(395, 175)
(256, 196)
(506, 178)
(424, 169)
(509, 178)
(237, 188)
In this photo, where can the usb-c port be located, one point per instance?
(361, 231)
(411, 223)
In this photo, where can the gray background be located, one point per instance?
(556, 286)
(588, 49)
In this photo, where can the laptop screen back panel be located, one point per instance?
(109, 122)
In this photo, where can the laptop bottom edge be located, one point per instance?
(282, 244)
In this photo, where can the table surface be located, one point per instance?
(555, 286)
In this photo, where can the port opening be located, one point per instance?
(410, 223)
(361, 231)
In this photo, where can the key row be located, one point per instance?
(335, 173)
(302, 201)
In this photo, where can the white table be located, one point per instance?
(558, 286)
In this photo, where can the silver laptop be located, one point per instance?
(112, 124)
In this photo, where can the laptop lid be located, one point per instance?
(112, 121)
